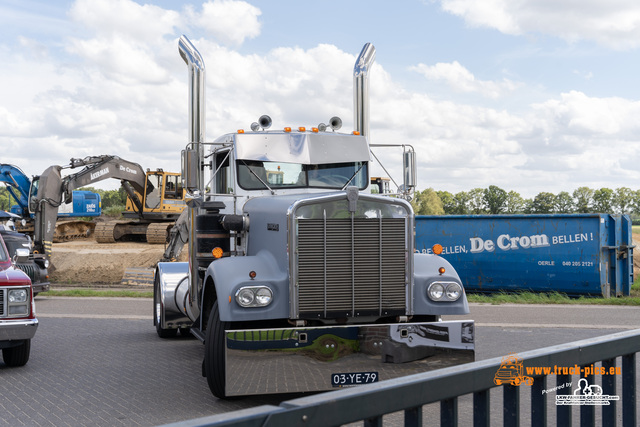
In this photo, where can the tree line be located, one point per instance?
(493, 200)
(109, 198)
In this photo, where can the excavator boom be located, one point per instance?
(53, 189)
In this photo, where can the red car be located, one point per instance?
(18, 321)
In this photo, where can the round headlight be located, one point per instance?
(454, 290)
(17, 295)
(263, 296)
(245, 297)
(436, 291)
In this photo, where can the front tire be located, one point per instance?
(17, 356)
(158, 311)
(214, 351)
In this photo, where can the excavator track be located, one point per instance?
(72, 230)
(158, 232)
(104, 232)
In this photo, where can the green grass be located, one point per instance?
(98, 293)
(555, 298)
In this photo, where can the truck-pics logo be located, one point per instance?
(98, 174)
(511, 372)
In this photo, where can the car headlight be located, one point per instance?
(436, 291)
(444, 291)
(18, 295)
(18, 302)
(254, 296)
(454, 290)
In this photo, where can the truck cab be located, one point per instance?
(18, 322)
(295, 267)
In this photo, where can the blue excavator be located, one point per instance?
(83, 204)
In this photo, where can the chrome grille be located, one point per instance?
(349, 267)
(31, 271)
(2, 298)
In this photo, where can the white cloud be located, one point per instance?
(462, 80)
(229, 21)
(125, 19)
(614, 23)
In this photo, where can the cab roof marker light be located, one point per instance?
(287, 129)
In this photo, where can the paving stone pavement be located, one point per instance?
(109, 372)
(107, 367)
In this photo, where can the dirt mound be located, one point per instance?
(87, 262)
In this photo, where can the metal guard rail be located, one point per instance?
(370, 402)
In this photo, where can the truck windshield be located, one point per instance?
(258, 175)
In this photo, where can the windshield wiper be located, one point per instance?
(353, 176)
(256, 175)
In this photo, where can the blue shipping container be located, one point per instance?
(573, 254)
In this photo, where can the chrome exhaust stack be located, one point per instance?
(197, 114)
(193, 179)
(361, 88)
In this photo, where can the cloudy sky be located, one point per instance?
(527, 95)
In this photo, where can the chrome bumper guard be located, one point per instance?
(14, 330)
(306, 359)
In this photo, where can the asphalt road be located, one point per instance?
(98, 361)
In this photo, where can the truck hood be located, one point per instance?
(12, 276)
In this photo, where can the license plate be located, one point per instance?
(353, 378)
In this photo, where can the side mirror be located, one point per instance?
(22, 255)
(190, 166)
(409, 169)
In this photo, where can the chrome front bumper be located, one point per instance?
(309, 359)
(14, 330)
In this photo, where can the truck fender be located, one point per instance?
(171, 287)
(426, 271)
(230, 274)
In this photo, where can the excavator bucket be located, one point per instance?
(137, 276)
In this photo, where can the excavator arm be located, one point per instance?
(45, 205)
(17, 184)
(53, 189)
(98, 168)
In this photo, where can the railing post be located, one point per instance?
(539, 402)
(587, 412)
(511, 406)
(563, 412)
(609, 389)
(449, 412)
(629, 409)
(373, 422)
(481, 409)
(413, 417)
